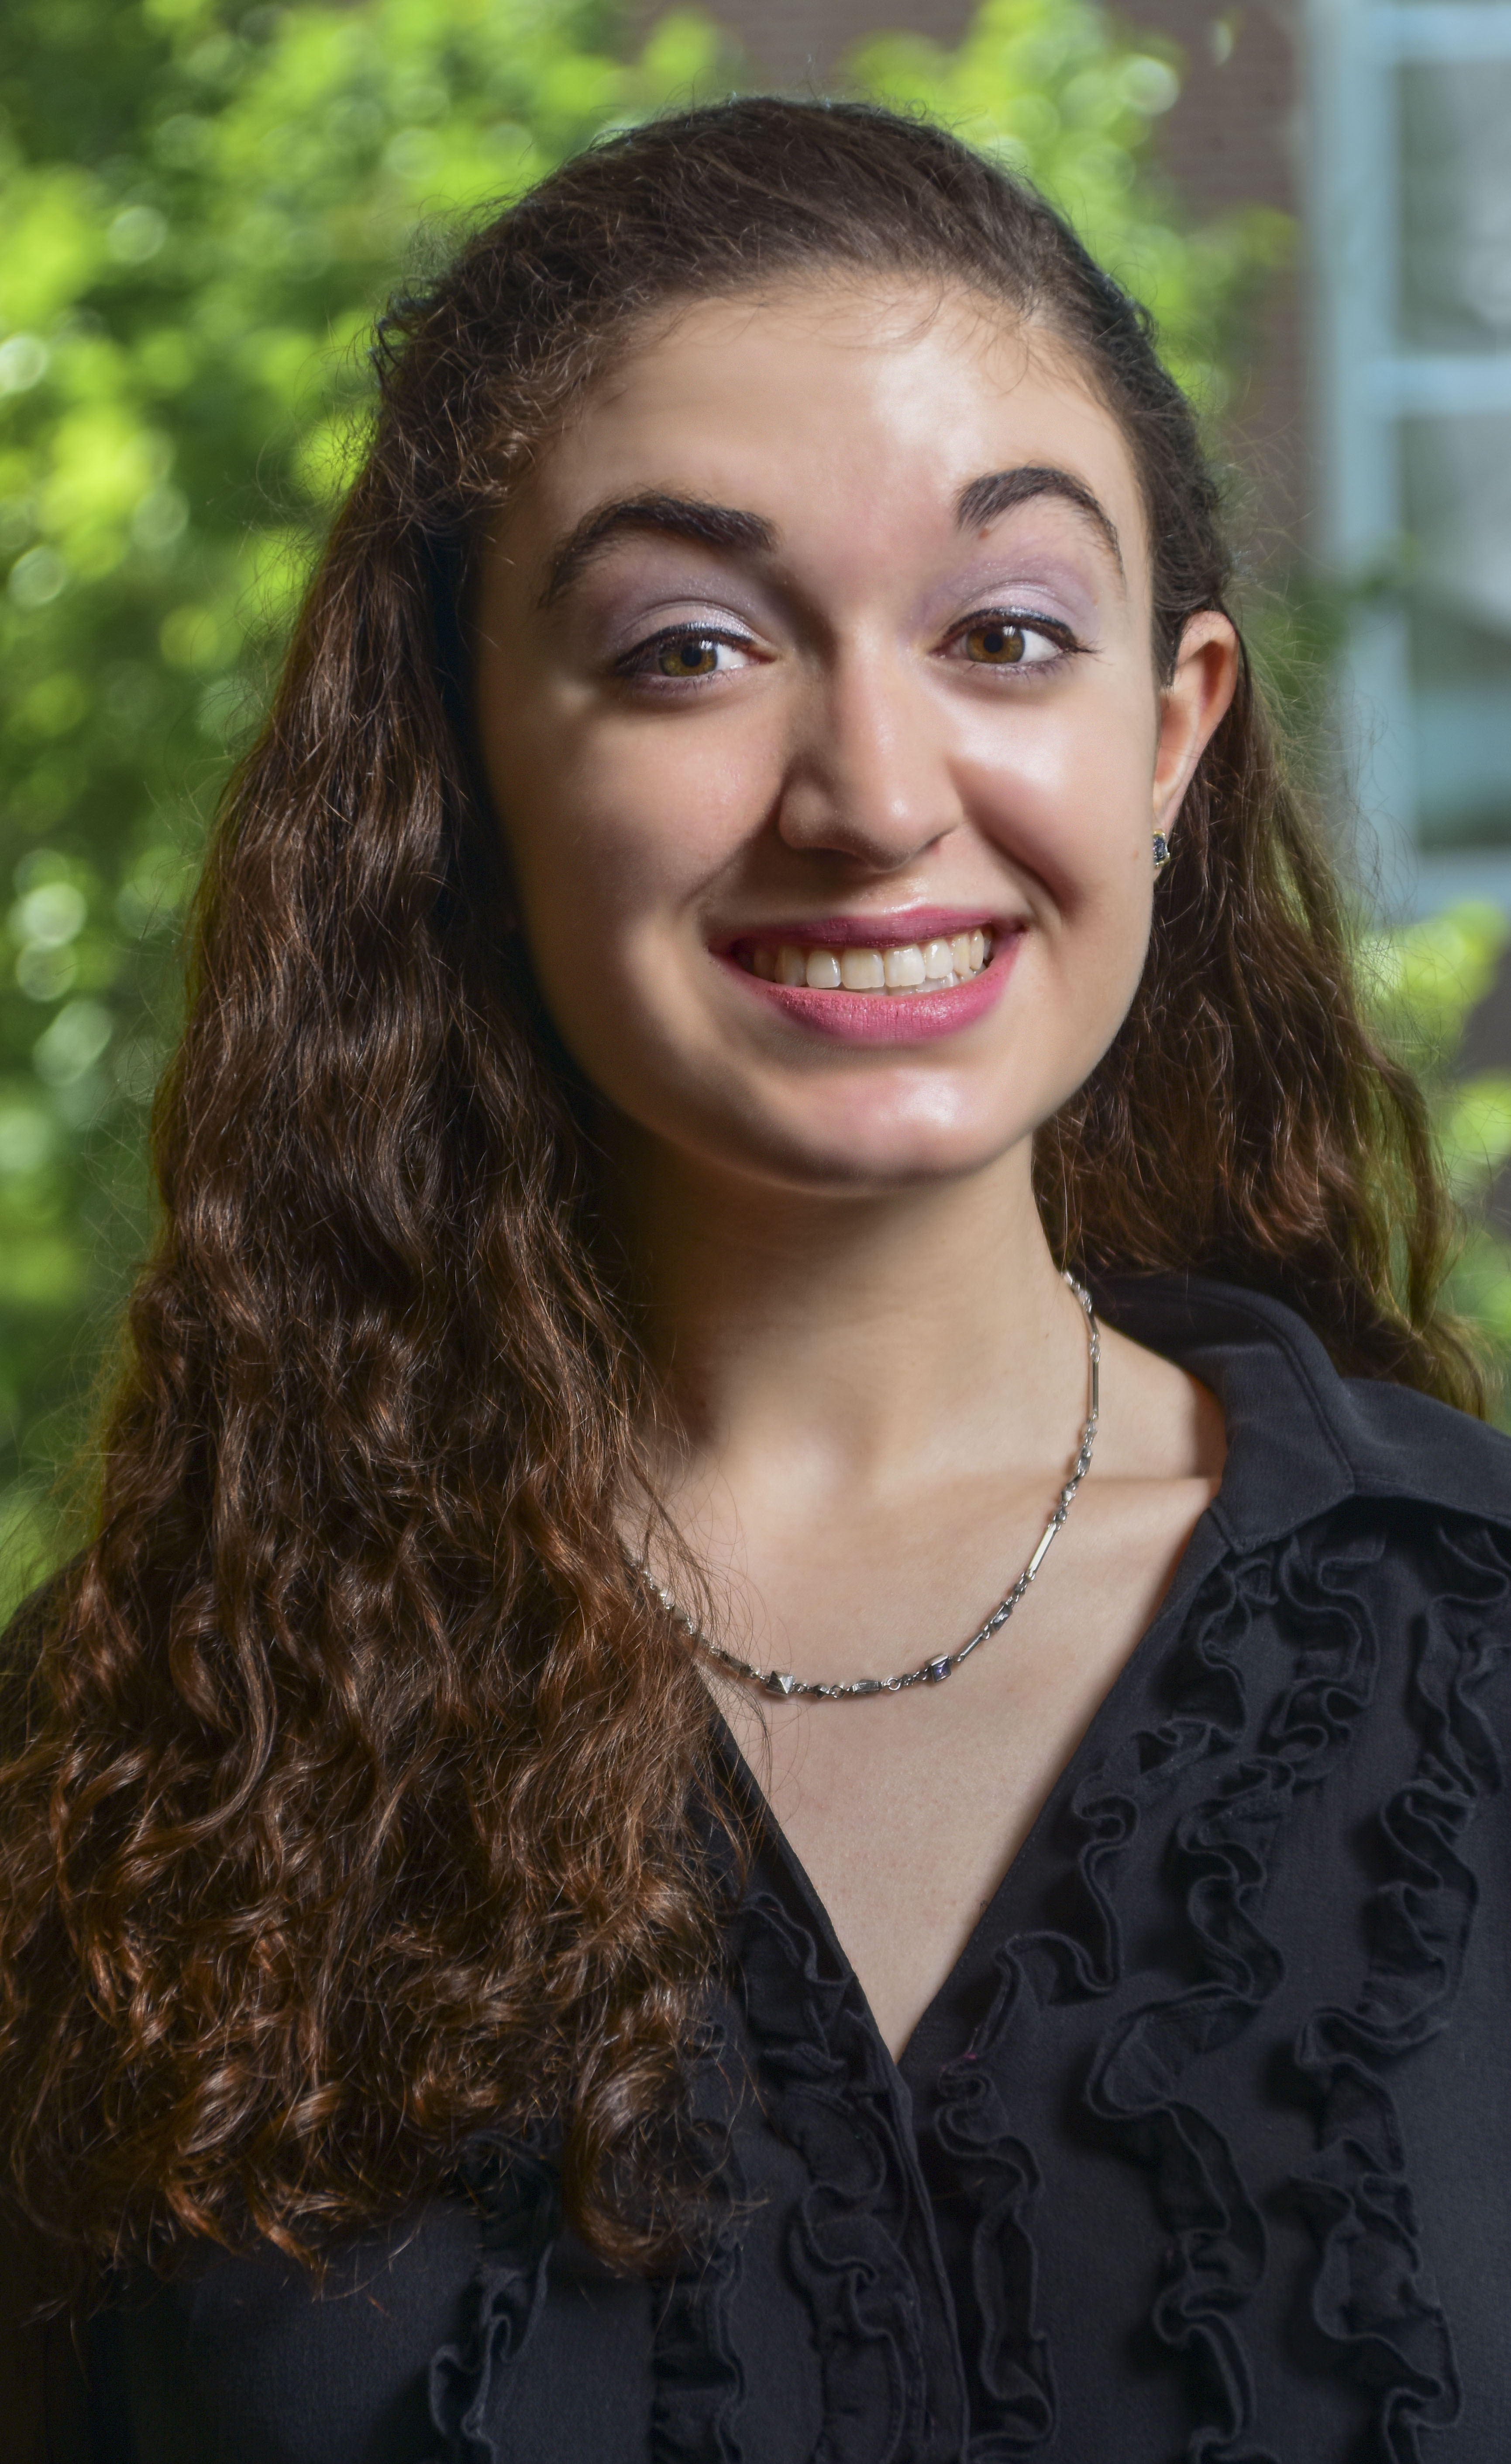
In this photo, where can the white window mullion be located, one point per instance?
(1406, 394)
(1353, 207)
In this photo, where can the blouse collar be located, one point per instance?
(1302, 1438)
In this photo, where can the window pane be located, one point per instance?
(1455, 205)
(1456, 481)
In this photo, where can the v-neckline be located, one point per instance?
(1258, 1474)
(1208, 1543)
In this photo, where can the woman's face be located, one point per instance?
(817, 696)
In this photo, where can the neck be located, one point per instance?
(825, 1342)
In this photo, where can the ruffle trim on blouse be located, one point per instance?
(1220, 1855)
(860, 2246)
(697, 2376)
(521, 2220)
(1015, 2407)
(696, 2371)
(1014, 2402)
(1369, 2300)
(699, 2379)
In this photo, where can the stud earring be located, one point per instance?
(1162, 851)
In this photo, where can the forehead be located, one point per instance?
(868, 403)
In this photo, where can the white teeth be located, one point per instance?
(902, 967)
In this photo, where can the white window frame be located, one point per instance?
(1367, 383)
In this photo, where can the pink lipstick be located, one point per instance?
(906, 977)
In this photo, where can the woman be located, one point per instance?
(545, 1914)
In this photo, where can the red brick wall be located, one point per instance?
(1234, 139)
(802, 42)
(1230, 140)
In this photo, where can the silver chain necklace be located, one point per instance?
(933, 1672)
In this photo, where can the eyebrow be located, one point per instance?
(686, 518)
(998, 492)
(726, 526)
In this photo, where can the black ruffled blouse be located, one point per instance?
(1202, 2151)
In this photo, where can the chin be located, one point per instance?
(863, 1153)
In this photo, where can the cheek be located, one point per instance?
(1067, 801)
(615, 837)
(1065, 793)
(609, 826)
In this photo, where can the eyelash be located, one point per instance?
(636, 663)
(1019, 620)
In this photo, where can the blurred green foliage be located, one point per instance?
(204, 209)
(1426, 978)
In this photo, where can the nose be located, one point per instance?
(867, 775)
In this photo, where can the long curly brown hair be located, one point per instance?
(361, 1801)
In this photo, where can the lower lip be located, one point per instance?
(884, 1018)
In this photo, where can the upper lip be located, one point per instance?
(872, 932)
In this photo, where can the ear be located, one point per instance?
(1191, 707)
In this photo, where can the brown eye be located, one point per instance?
(689, 654)
(996, 646)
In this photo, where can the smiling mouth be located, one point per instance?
(893, 969)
